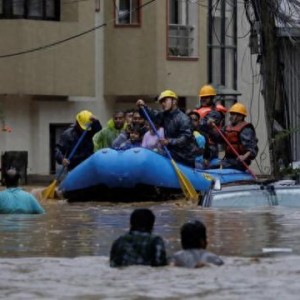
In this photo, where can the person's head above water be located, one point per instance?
(11, 177)
(142, 219)
(193, 235)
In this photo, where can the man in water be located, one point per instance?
(194, 243)
(13, 200)
(139, 246)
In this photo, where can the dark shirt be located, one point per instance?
(68, 140)
(138, 248)
(179, 132)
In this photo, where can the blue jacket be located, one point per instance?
(16, 201)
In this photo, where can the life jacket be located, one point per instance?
(204, 111)
(232, 133)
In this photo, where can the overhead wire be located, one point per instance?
(71, 37)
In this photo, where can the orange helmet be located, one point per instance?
(207, 91)
(238, 108)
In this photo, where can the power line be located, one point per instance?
(71, 37)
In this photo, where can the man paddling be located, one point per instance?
(85, 120)
(178, 128)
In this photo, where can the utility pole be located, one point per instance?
(271, 74)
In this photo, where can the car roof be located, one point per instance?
(267, 193)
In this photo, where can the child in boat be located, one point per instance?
(134, 140)
(194, 243)
(139, 246)
(151, 140)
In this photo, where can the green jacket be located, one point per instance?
(104, 137)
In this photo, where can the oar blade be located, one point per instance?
(49, 192)
(185, 184)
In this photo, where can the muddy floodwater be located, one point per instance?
(64, 253)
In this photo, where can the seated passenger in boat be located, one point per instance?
(105, 137)
(151, 139)
(194, 243)
(13, 200)
(136, 120)
(178, 129)
(139, 246)
(200, 139)
(134, 140)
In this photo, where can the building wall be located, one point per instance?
(64, 69)
(73, 69)
(136, 61)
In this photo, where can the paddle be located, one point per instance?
(234, 151)
(185, 184)
(48, 193)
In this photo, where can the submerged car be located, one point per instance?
(279, 193)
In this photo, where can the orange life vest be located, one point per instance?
(232, 134)
(204, 111)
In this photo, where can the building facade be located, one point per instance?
(59, 57)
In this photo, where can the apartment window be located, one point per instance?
(183, 28)
(127, 12)
(30, 9)
(222, 43)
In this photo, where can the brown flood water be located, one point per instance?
(64, 254)
(88, 229)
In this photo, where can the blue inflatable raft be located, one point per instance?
(136, 174)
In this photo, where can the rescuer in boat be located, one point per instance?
(178, 128)
(85, 120)
(210, 110)
(241, 137)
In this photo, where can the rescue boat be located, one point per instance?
(137, 174)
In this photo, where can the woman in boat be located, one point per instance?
(178, 129)
(151, 140)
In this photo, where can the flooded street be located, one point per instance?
(64, 254)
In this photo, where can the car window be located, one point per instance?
(288, 197)
(252, 198)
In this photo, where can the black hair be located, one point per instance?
(11, 177)
(142, 219)
(118, 112)
(194, 113)
(193, 235)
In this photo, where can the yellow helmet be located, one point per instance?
(207, 91)
(166, 94)
(238, 108)
(84, 118)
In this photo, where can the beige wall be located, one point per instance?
(249, 85)
(66, 69)
(135, 58)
